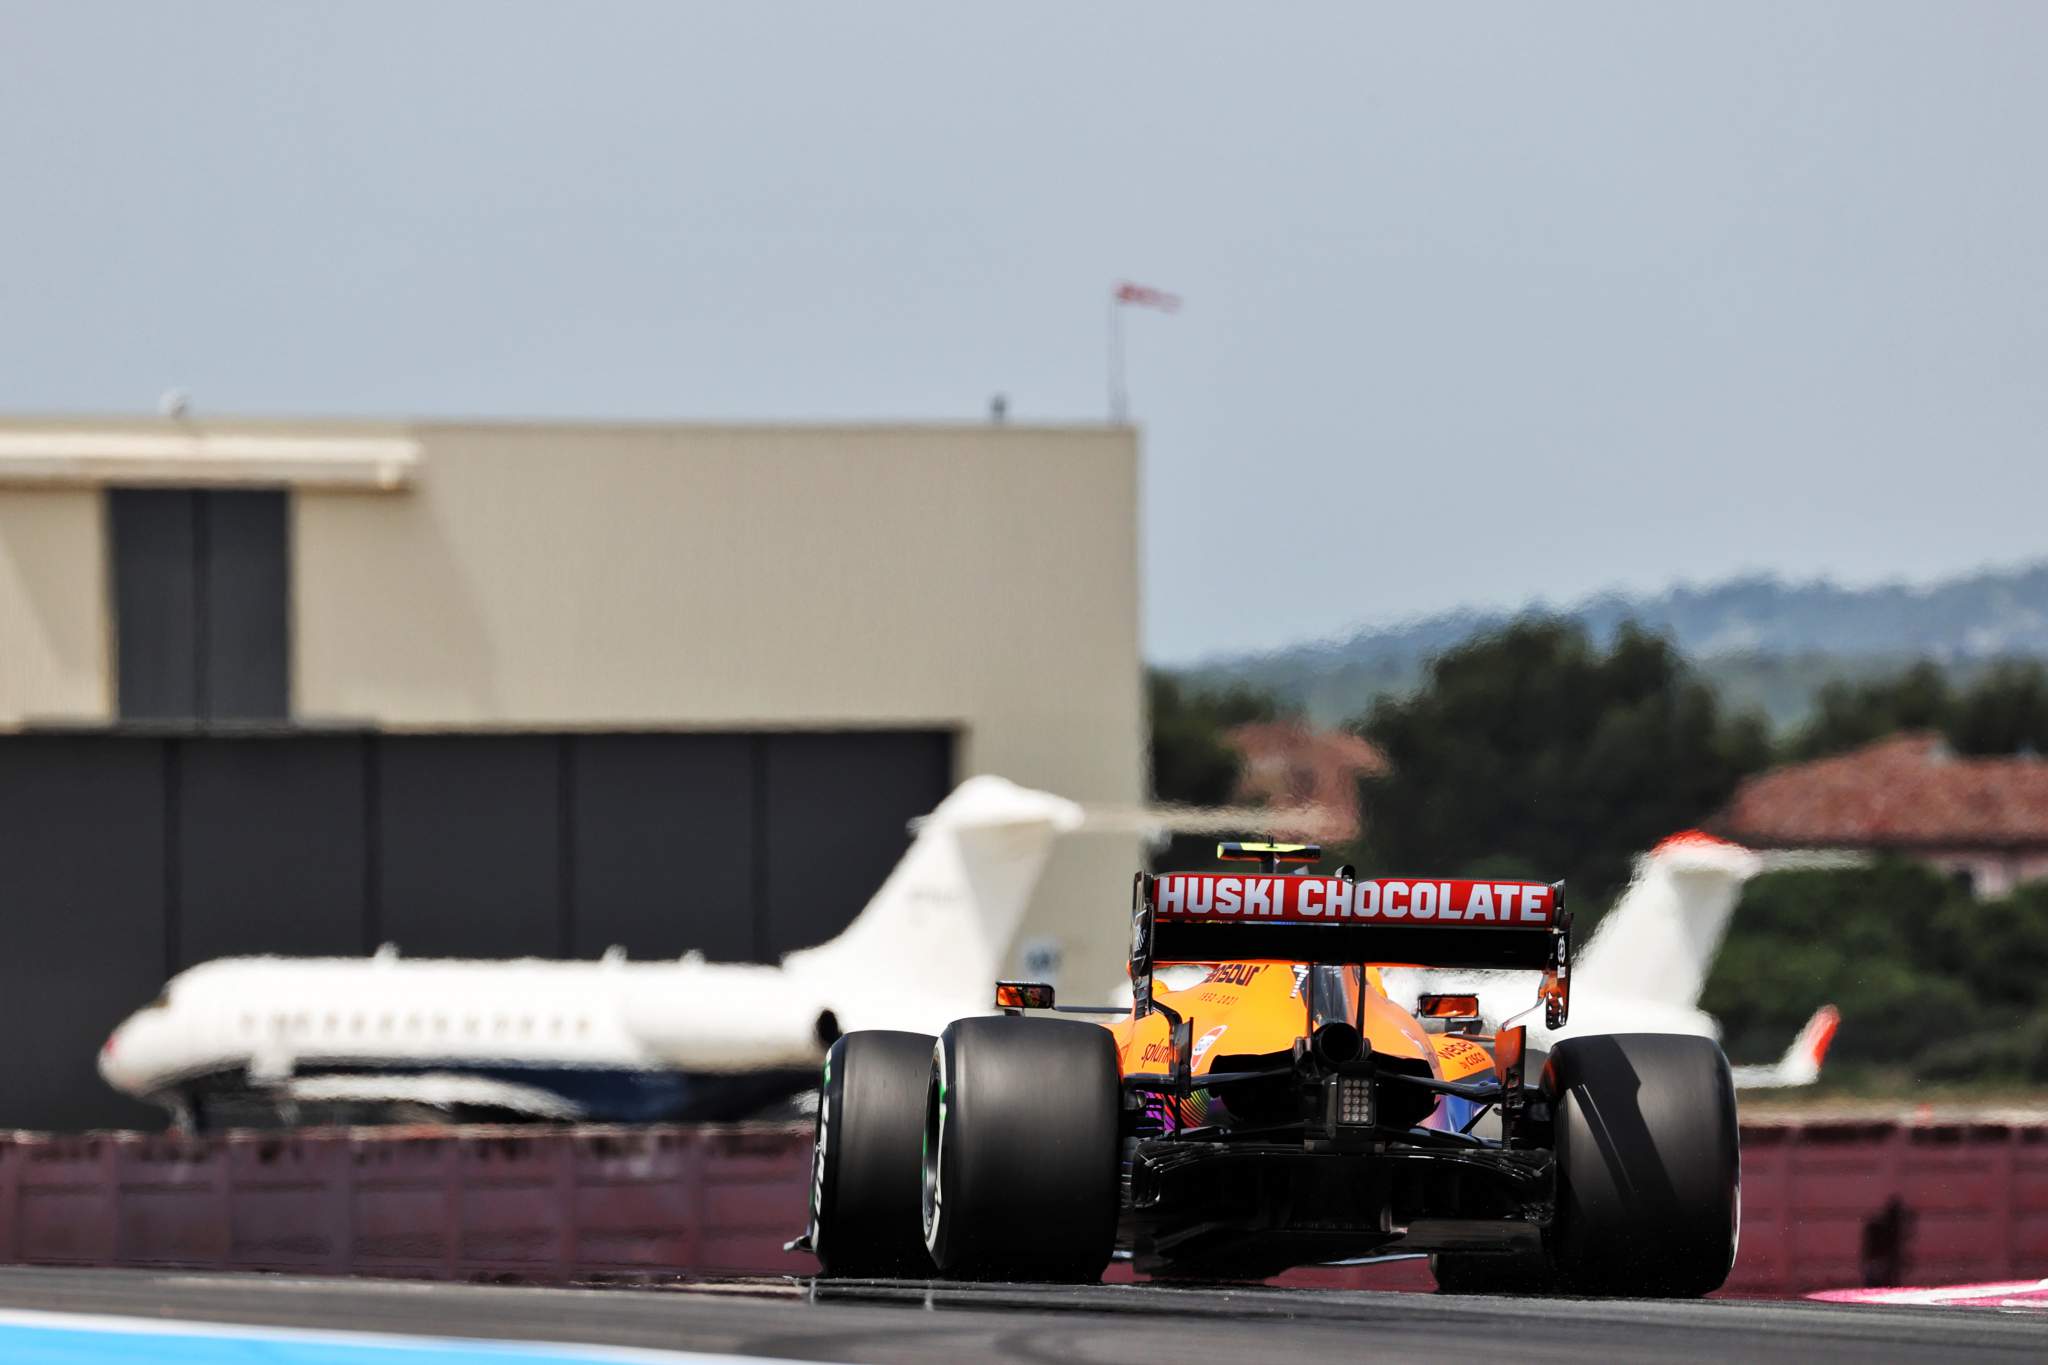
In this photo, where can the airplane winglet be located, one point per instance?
(1801, 1063)
(1810, 1048)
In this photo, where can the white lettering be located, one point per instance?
(1480, 906)
(1339, 902)
(1532, 905)
(1395, 909)
(1447, 904)
(1229, 894)
(1172, 895)
(1308, 903)
(1368, 900)
(1258, 896)
(1201, 895)
(1422, 904)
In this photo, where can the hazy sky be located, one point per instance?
(1483, 303)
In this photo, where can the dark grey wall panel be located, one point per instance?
(155, 538)
(836, 806)
(118, 851)
(468, 855)
(82, 919)
(271, 851)
(664, 854)
(245, 588)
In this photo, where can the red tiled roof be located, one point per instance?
(1907, 791)
(1288, 764)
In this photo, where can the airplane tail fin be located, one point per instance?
(1660, 939)
(950, 907)
(1801, 1063)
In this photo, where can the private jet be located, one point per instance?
(301, 1040)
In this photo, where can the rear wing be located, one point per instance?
(1226, 917)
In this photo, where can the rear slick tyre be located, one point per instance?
(864, 1163)
(1021, 1177)
(1649, 1173)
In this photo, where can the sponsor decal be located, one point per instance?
(1235, 973)
(1189, 896)
(1463, 1053)
(1208, 1040)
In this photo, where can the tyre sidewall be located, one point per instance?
(1648, 1165)
(863, 1188)
(1022, 1139)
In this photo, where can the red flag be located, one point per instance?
(1145, 297)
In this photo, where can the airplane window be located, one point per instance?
(248, 1023)
(499, 1025)
(440, 1024)
(355, 1023)
(384, 1023)
(277, 1023)
(469, 1026)
(332, 1023)
(555, 1025)
(526, 1026)
(582, 1028)
(301, 1023)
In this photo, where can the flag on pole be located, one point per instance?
(1144, 296)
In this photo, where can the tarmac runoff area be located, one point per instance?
(90, 1317)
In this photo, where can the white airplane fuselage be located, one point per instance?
(610, 1041)
(606, 1041)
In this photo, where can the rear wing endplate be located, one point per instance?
(1212, 917)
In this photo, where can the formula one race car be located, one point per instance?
(1285, 1111)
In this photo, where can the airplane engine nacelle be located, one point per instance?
(727, 1018)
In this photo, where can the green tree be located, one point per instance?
(1192, 762)
(2003, 712)
(1848, 715)
(1531, 748)
(1932, 984)
(1870, 940)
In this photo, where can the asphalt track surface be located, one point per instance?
(1112, 1324)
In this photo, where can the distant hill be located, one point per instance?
(1764, 642)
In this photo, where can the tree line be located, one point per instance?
(1533, 751)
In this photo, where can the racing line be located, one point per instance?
(330, 1321)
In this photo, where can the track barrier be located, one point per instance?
(1825, 1204)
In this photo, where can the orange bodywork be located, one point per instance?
(1251, 1008)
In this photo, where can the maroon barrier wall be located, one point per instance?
(463, 1203)
(1824, 1204)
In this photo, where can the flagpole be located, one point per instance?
(1117, 402)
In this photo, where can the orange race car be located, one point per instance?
(1284, 1110)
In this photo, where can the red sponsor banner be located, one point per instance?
(1208, 897)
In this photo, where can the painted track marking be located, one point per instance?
(38, 1338)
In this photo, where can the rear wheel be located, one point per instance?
(864, 1165)
(1022, 1122)
(1649, 1177)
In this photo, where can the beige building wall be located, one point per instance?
(981, 579)
(55, 649)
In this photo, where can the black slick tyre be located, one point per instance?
(864, 1163)
(1022, 1127)
(1649, 1175)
